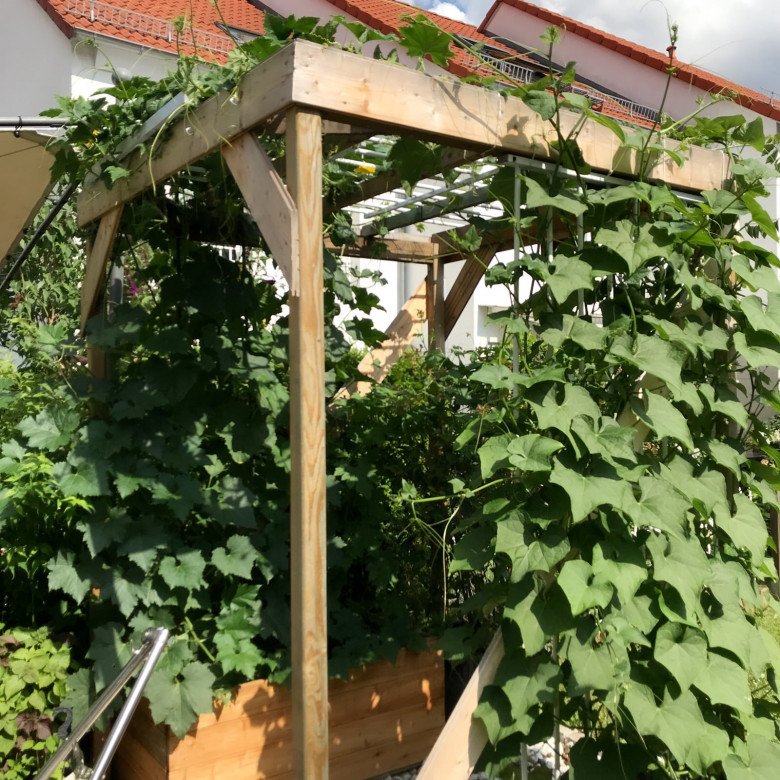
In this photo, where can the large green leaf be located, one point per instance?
(758, 349)
(683, 564)
(583, 587)
(50, 428)
(494, 454)
(552, 414)
(596, 665)
(724, 682)
(746, 527)
(184, 571)
(682, 650)
(539, 613)
(237, 558)
(570, 274)
(588, 491)
(620, 563)
(679, 724)
(761, 762)
(661, 506)
(528, 548)
(760, 317)
(557, 330)
(635, 245)
(532, 452)
(662, 416)
(179, 700)
(761, 278)
(64, 576)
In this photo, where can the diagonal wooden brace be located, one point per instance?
(95, 271)
(401, 333)
(463, 739)
(268, 201)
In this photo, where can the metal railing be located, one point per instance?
(154, 27)
(512, 69)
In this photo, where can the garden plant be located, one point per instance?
(596, 487)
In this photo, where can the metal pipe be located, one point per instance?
(126, 713)
(36, 236)
(19, 122)
(151, 638)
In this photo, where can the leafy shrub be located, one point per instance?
(33, 672)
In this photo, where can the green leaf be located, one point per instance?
(635, 245)
(679, 724)
(746, 527)
(761, 278)
(557, 330)
(494, 454)
(683, 564)
(662, 507)
(538, 612)
(239, 558)
(184, 571)
(583, 588)
(411, 159)
(532, 452)
(178, 701)
(595, 665)
(529, 549)
(570, 274)
(682, 650)
(760, 317)
(474, 549)
(421, 38)
(542, 102)
(64, 576)
(760, 764)
(662, 416)
(724, 682)
(50, 429)
(552, 414)
(588, 491)
(536, 196)
(620, 563)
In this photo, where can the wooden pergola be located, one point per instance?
(308, 92)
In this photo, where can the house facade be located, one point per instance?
(79, 46)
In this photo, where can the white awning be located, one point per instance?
(25, 181)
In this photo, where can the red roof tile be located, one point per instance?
(387, 16)
(697, 77)
(148, 22)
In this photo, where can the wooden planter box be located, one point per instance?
(384, 718)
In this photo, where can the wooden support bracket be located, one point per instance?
(463, 739)
(95, 271)
(268, 201)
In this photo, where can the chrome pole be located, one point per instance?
(154, 638)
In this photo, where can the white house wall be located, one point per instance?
(34, 59)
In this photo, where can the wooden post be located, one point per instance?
(307, 447)
(435, 304)
(465, 283)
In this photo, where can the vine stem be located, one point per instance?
(198, 641)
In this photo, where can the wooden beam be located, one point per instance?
(401, 249)
(443, 109)
(401, 333)
(268, 201)
(263, 92)
(95, 271)
(463, 739)
(307, 446)
(434, 287)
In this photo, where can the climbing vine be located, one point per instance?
(602, 479)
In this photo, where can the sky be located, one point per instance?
(737, 39)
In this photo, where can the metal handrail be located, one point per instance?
(146, 658)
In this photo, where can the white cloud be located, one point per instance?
(450, 10)
(737, 39)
